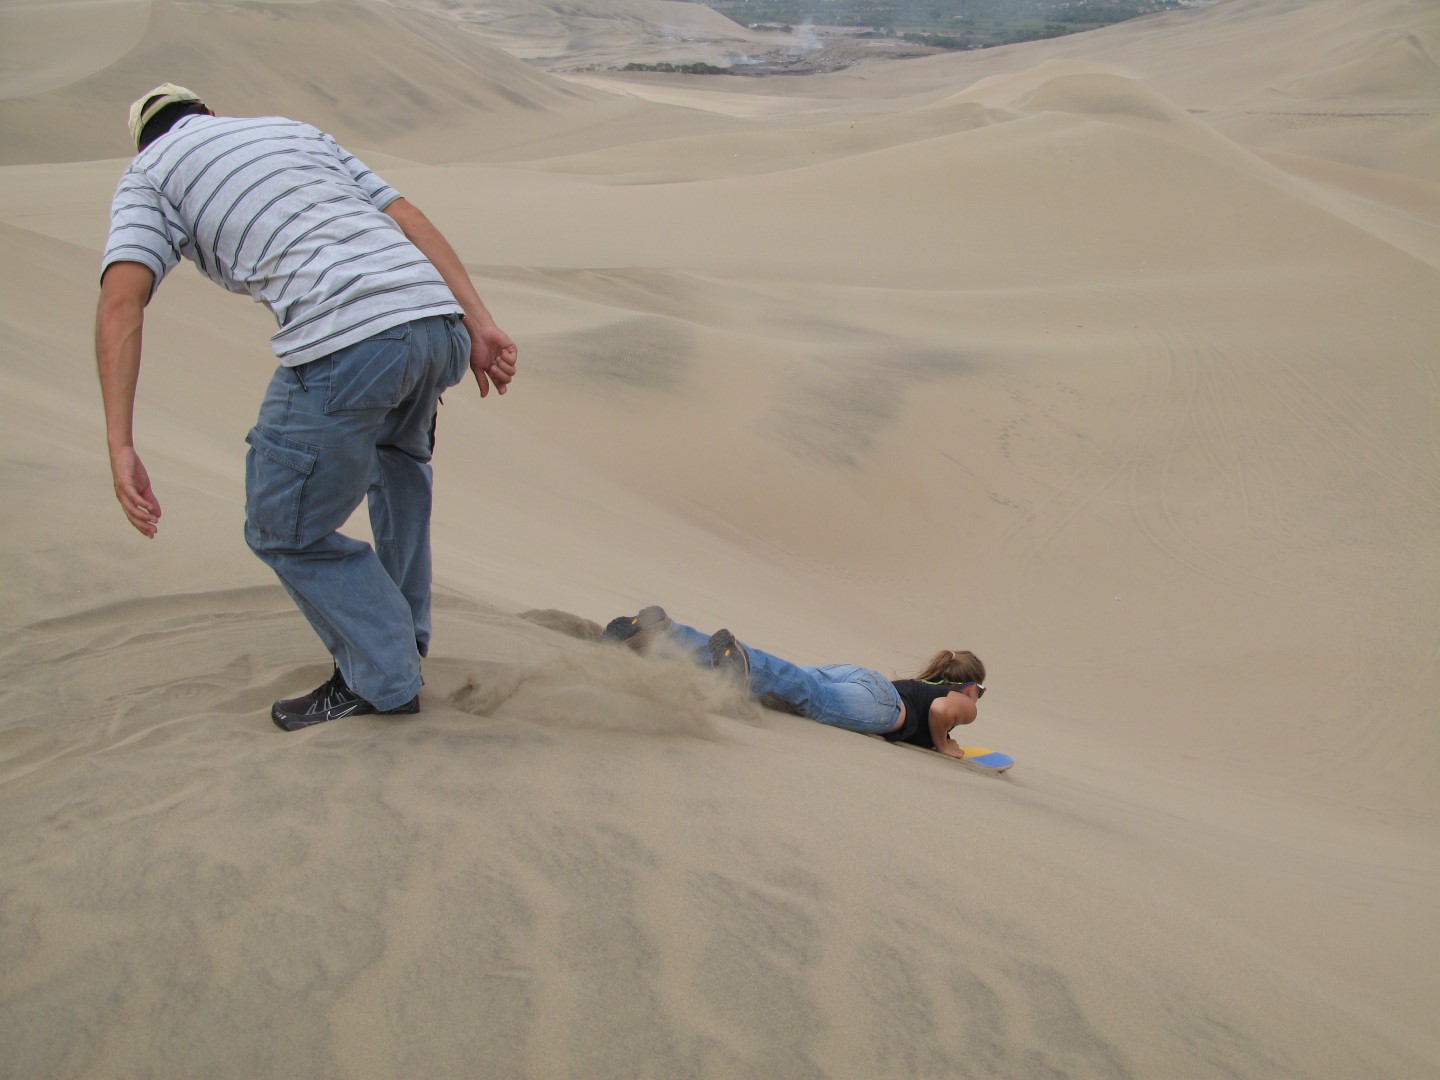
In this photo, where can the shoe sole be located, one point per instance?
(728, 655)
(636, 630)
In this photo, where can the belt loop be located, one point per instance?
(300, 378)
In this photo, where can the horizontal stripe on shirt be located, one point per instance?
(277, 210)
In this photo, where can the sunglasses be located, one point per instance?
(978, 685)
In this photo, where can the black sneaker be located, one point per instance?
(637, 631)
(728, 657)
(332, 700)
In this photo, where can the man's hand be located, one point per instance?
(133, 490)
(492, 357)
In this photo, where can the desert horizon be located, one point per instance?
(1110, 357)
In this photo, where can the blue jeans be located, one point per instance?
(359, 421)
(841, 695)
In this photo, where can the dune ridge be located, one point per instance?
(1110, 357)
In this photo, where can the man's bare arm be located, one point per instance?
(492, 353)
(119, 321)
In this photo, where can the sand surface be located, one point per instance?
(1112, 358)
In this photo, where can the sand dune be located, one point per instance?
(1229, 53)
(1111, 358)
(48, 45)
(410, 82)
(1346, 81)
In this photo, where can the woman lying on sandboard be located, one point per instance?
(920, 710)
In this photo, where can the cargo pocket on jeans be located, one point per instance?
(276, 470)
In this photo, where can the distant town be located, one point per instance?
(814, 36)
(944, 24)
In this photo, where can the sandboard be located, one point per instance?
(982, 758)
(976, 757)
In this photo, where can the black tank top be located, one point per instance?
(918, 697)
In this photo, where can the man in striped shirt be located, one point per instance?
(377, 316)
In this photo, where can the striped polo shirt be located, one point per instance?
(278, 210)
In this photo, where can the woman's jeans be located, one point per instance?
(841, 695)
(358, 422)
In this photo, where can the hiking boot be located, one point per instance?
(332, 700)
(637, 631)
(728, 657)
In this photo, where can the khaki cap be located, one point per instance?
(145, 108)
